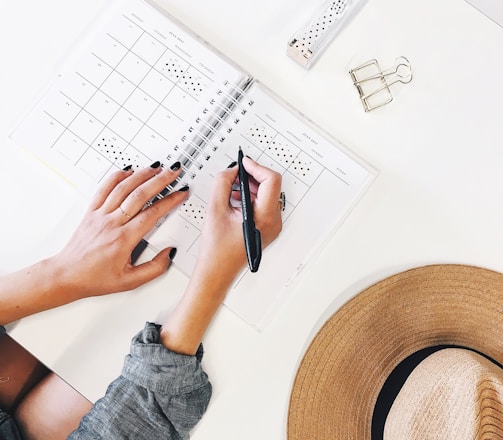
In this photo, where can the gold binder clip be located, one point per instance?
(373, 83)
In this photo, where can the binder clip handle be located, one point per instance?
(373, 83)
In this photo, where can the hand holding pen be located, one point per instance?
(222, 251)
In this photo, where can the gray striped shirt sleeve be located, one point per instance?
(159, 395)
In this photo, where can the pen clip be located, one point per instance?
(253, 249)
(258, 246)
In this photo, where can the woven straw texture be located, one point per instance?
(344, 368)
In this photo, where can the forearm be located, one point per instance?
(33, 289)
(183, 331)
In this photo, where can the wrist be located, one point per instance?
(61, 281)
(217, 276)
(33, 289)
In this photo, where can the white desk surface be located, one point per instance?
(438, 198)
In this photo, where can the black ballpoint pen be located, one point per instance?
(253, 242)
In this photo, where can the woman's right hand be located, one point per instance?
(222, 252)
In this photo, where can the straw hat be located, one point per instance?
(393, 351)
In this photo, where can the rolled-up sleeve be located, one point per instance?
(160, 394)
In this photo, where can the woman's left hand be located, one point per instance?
(97, 259)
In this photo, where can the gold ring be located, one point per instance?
(124, 213)
(282, 201)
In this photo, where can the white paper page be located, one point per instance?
(491, 8)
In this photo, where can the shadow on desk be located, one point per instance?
(20, 371)
(35, 402)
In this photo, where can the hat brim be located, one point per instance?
(348, 361)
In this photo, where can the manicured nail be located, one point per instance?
(172, 253)
(156, 164)
(184, 188)
(232, 164)
(175, 166)
(127, 168)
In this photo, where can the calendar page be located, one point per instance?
(126, 99)
(143, 88)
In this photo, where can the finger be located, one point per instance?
(222, 187)
(145, 272)
(140, 195)
(107, 187)
(125, 187)
(269, 184)
(146, 219)
(257, 171)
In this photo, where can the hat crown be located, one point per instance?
(453, 394)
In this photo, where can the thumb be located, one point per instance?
(145, 272)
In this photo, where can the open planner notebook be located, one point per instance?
(142, 88)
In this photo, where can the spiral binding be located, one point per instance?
(193, 149)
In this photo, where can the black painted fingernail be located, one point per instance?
(232, 164)
(127, 168)
(172, 253)
(175, 166)
(156, 164)
(184, 188)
